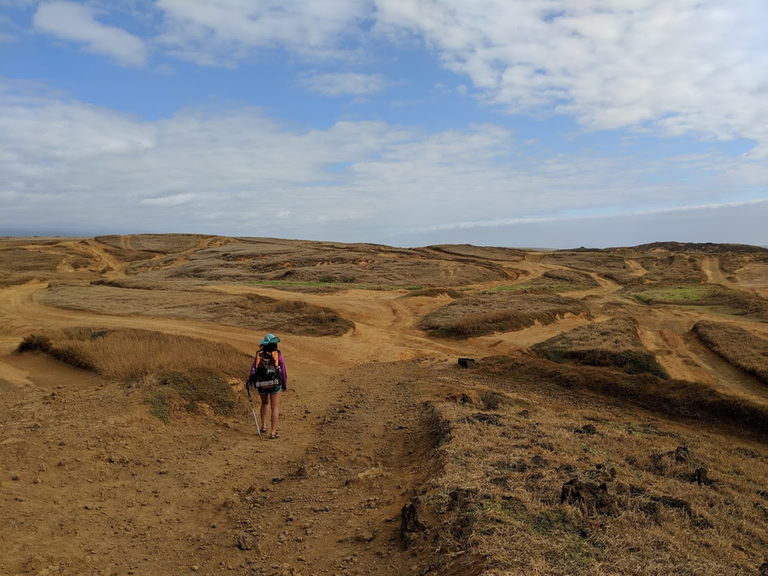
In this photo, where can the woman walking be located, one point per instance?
(269, 377)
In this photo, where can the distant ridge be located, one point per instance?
(706, 247)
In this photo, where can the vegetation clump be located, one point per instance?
(714, 296)
(608, 264)
(173, 370)
(538, 494)
(675, 398)
(190, 389)
(435, 293)
(613, 343)
(554, 282)
(486, 313)
(245, 310)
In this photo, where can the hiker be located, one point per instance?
(269, 377)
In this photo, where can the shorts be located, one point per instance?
(270, 389)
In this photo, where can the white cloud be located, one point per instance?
(683, 67)
(671, 67)
(343, 83)
(226, 31)
(77, 23)
(68, 162)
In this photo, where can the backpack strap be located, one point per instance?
(275, 357)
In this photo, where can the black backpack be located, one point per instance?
(267, 368)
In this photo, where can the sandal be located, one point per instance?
(274, 436)
(263, 430)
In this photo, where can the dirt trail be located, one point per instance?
(714, 274)
(152, 498)
(668, 335)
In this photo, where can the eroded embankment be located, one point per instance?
(539, 477)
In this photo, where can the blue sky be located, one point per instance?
(546, 123)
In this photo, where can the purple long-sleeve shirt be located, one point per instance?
(281, 365)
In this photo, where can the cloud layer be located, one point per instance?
(245, 174)
(77, 23)
(688, 67)
(683, 67)
(680, 70)
(696, 67)
(226, 31)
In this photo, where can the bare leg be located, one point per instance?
(263, 410)
(275, 401)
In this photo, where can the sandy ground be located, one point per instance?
(92, 484)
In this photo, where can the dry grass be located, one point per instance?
(734, 262)
(607, 264)
(693, 401)
(739, 347)
(39, 262)
(269, 260)
(672, 502)
(662, 262)
(484, 252)
(613, 343)
(129, 354)
(435, 292)
(670, 267)
(249, 311)
(172, 371)
(720, 299)
(673, 474)
(554, 282)
(23, 260)
(487, 313)
(154, 243)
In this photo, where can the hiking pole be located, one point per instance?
(248, 389)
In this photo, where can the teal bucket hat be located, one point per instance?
(270, 339)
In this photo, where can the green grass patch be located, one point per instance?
(679, 294)
(719, 298)
(158, 404)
